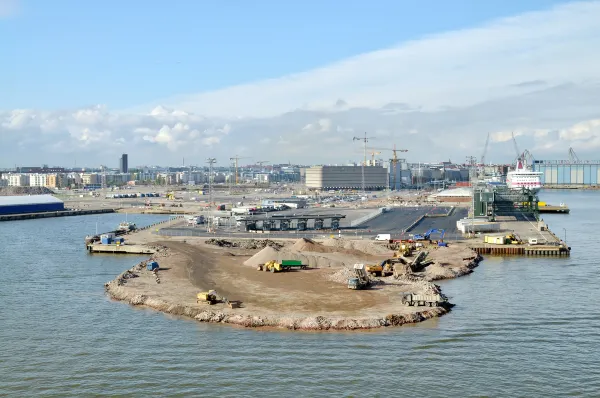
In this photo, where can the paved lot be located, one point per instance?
(398, 220)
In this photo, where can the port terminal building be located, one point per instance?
(346, 177)
(30, 204)
(568, 172)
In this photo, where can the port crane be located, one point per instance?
(394, 160)
(236, 158)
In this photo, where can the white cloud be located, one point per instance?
(457, 68)
(535, 75)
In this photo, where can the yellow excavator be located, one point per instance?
(405, 250)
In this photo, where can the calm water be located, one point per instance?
(521, 327)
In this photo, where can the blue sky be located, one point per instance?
(68, 54)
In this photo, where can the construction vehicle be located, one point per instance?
(514, 239)
(361, 281)
(427, 236)
(284, 265)
(405, 250)
(385, 268)
(209, 297)
(431, 300)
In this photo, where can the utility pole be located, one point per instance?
(210, 162)
(364, 139)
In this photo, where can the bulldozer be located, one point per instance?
(209, 297)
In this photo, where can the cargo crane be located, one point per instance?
(236, 159)
(427, 236)
(394, 160)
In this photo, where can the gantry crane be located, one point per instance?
(394, 160)
(237, 158)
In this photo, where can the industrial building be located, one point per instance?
(568, 172)
(29, 204)
(346, 177)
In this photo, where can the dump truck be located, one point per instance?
(284, 265)
(209, 297)
(361, 281)
(431, 300)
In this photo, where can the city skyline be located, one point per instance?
(436, 89)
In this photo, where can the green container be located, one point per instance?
(291, 263)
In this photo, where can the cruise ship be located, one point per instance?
(524, 177)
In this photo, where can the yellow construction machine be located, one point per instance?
(272, 266)
(405, 250)
(514, 239)
(209, 297)
(386, 268)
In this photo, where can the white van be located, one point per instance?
(383, 237)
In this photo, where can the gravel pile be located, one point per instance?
(245, 243)
(15, 191)
(367, 247)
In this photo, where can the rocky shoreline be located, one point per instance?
(116, 290)
(257, 317)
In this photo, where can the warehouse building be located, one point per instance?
(30, 204)
(568, 172)
(346, 177)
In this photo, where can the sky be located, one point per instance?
(83, 82)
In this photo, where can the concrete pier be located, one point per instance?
(64, 213)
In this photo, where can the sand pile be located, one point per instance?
(307, 245)
(363, 246)
(267, 254)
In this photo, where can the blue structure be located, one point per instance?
(567, 172)
(30, 204)
(152, 265)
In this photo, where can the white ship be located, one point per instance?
(524, 177)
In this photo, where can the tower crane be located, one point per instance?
(236, 158)
(262, 162)
(394, 160)
(373, 156)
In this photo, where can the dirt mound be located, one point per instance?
(358, 245)
(267, 254)
(244, 243)
(307, 245)
(13, 191)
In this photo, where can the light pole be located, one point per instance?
(210, 162)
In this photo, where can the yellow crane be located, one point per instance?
(373, 156)
(237, 158)
(394, 160)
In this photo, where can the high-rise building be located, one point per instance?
(123, 166)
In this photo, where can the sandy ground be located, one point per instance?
(312, 299)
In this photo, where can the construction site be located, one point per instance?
(297, 284)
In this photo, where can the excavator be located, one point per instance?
(427, 236)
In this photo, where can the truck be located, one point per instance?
(431, 300)
(383, 237)
(361, 281)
